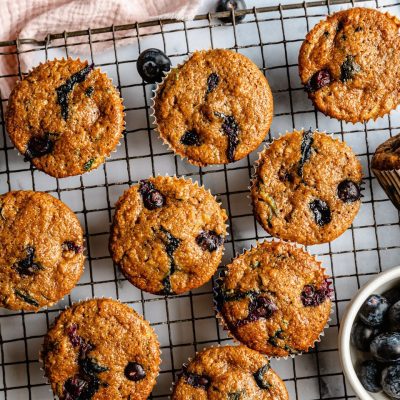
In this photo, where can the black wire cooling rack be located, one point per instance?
(271, 36)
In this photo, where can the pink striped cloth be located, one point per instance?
(36, 18)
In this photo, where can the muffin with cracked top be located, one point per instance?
(41, 258)
(230, 372)
(349, 66)
(65, 117)
(307, 187)
(274, 298)
(168, 234)
(101, 349)
(215, 108)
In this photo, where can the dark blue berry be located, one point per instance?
(391, 381)
(27, 266)
(349, 69)
(39, 146)
(306, 143)
(152, 64)
(229, 5)
(318, 80)
(134, 372)
(321, 211)
(386, 347)
(312, 296)
(369, 375)
(152, 198)
(259, 307)
(69, 245)
(212, 82)
(197, 381)
(392, 295)
(393, 317)
(209, 241)
(74, 387)
(90, 367)
(260, 379)
(171, 244)
(362, 335)
(348, 191)
(64, 90)
(373, 311)
(191, 138)
(231, 129)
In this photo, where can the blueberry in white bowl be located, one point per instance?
(369, 338)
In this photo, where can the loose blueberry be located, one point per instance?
(152, 64)
(313, 297)
(321, 211)
(393, 317)
(373, 311)
(64, 90)
(134, 372)
(318, 80)
(191, 138)
(229, 5)
(369, 375)
(209, 241)
(391, 381)
(259, 377)
(362, 335)
(152, 198)
(212, 82)
(197, 381)
(27, 267)
(69, 245)
(348, 191)
(349, 69)
(386, 347)
(39, 146)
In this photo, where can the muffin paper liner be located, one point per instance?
(41, 351)
(106, 157)
(390, 182)
(224, 325)
(195, 183)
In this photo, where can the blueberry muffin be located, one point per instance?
(41, 258)
(101, 349)
(386, 166)
(168, 235)
(65, 117)
(231, 372)
(349, 64)
(274, 298)
(215, 108)
(307, 187)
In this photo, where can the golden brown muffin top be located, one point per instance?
(349, 64)
(65, 117)
(41, 257)
(103, 348)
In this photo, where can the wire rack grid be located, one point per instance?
(271, 37)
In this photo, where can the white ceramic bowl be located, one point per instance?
(349, 355)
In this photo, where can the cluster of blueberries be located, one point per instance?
(376, 332)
